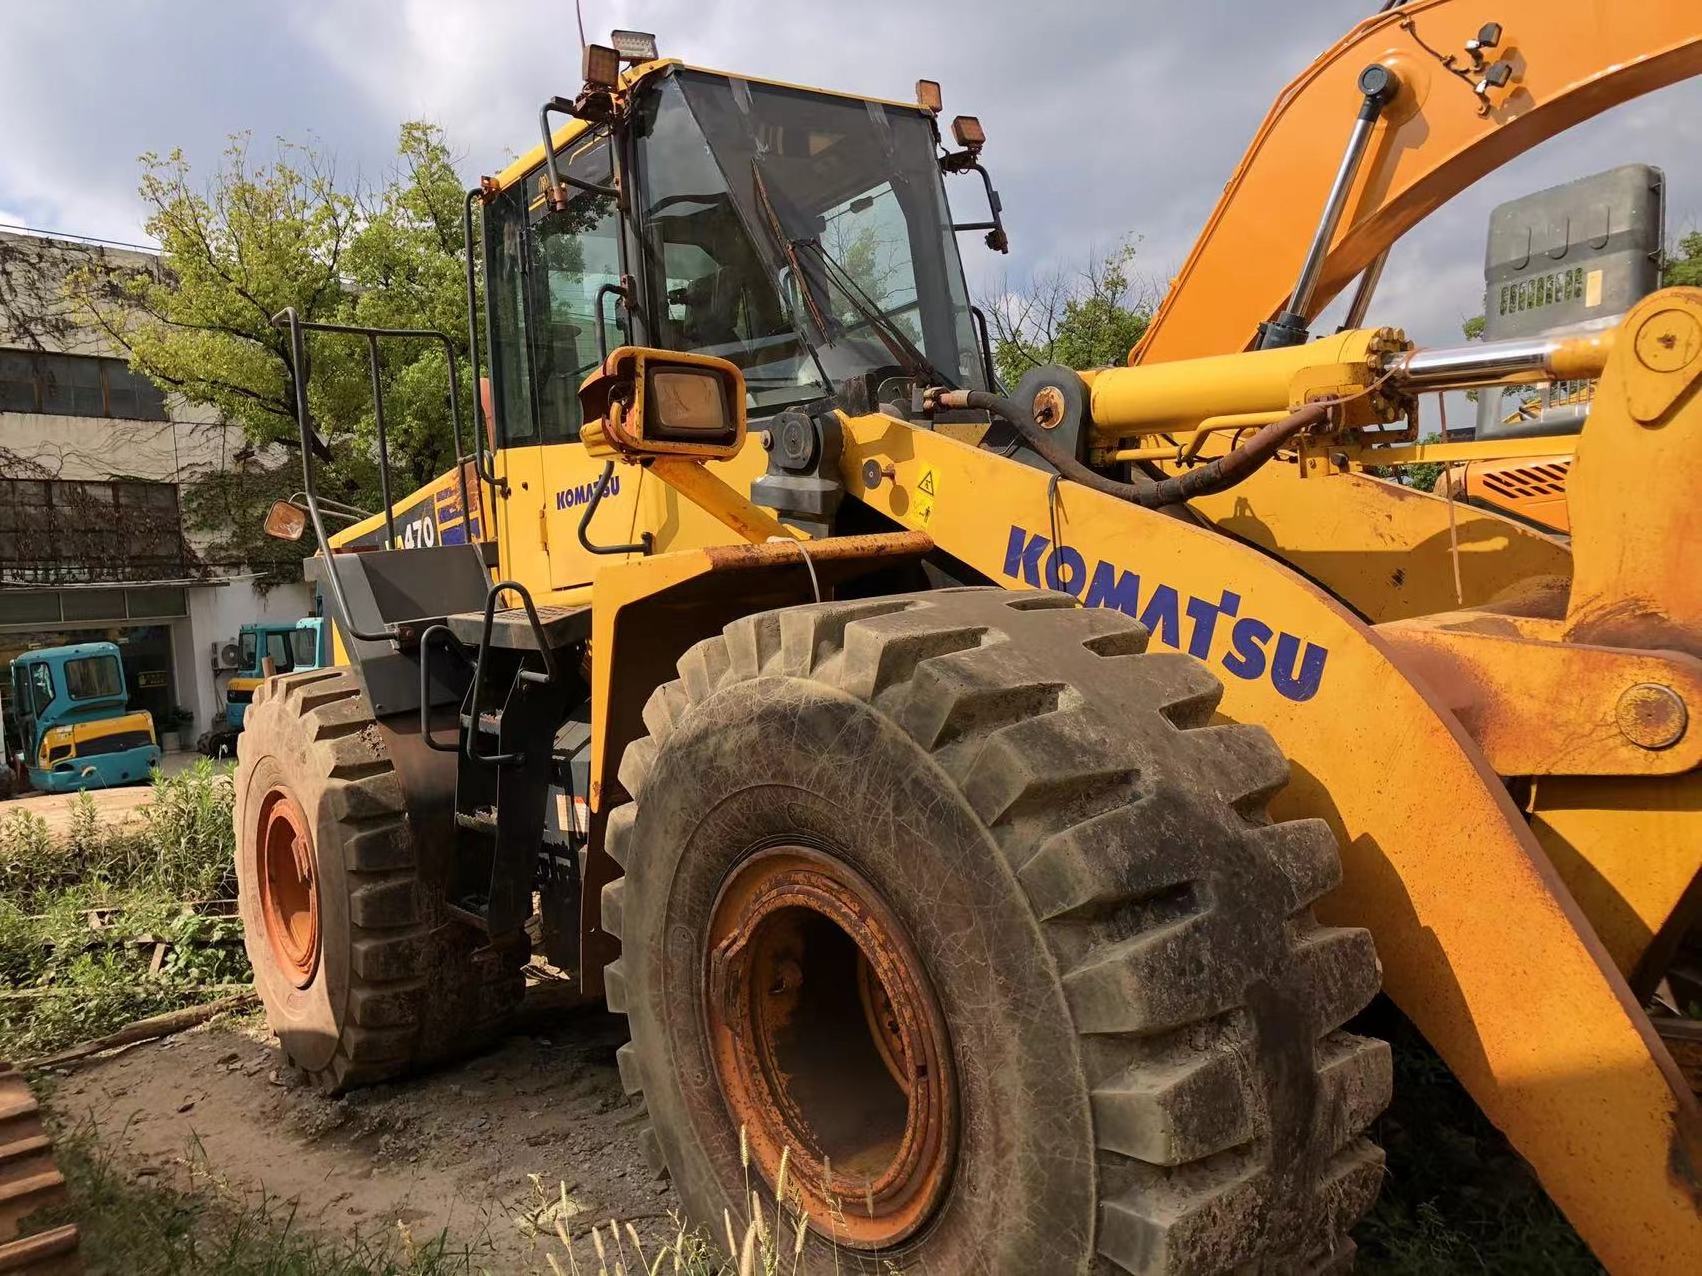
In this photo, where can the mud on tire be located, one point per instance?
(363, 975)
(1144, 1019)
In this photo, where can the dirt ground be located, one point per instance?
(116, 806)
(450, 1151)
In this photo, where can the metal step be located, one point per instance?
(490, 722)
(483, 821)
(511, 629)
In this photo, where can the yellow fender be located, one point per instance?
(1482, 946)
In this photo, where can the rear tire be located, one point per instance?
(1141, 1019)
(363, 975)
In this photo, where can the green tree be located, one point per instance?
(1088, 317)
(1683, 269)
(262, 236)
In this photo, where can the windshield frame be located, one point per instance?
(859, 346)
(939, 293)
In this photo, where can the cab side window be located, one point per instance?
(41, 688)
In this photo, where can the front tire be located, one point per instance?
(363, 975)
(1069, 892)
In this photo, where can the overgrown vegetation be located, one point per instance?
(68, 979)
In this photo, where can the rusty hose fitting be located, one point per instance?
(1214, 476)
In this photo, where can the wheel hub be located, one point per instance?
(828, 1042)
(289, 890)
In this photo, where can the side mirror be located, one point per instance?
(644, 403)
(285, 521)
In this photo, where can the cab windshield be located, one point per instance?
(802, 236)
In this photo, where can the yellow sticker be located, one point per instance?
(1593, 288)
(925, 494)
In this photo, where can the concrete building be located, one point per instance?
(94, 460)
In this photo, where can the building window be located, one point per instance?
(76, 385)
(54, 531)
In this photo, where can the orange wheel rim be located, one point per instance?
(828, 1043)
(289, 890)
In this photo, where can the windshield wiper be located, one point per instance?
(894, 338)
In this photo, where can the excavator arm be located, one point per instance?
(1565, 61)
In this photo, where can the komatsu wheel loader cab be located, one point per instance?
(910, 761)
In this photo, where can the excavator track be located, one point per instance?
(29, 1183)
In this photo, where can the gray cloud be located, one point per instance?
(1106, 119)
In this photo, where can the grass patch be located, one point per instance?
(65, 982)
(147, 1228)
(1457, 1197)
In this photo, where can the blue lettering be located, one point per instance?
(1295, 668)
(1247, 640)
(1294, 676)
(1072, 580)
(1024, 552)
(1113, 588)
(1162, 616)
(570, 497)
(1204, 615)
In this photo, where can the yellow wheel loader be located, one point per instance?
(988, 804)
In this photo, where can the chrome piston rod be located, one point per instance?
(1522, 361)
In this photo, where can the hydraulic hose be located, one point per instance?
(1214, 476)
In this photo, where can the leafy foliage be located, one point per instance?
(1088, 317)
(265, 235)
(1683, 269)
(66, 981)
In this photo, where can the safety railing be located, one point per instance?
(313, 445)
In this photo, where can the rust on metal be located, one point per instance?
(289, 889)
(1652, 716)
(831, 550)
(828, 1042)
(1542, 707)
(1049, 407)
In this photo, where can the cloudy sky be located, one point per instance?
(1105, 117)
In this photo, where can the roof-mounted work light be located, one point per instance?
(602, 66)
(634, 46)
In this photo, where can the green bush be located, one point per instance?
(190, 831)
(66, 981)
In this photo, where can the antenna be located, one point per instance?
(579, 12)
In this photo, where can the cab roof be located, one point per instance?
(634, 76)
(74, 651)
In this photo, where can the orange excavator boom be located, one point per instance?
(1460, 110)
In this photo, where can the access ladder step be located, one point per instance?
(512, 630)
(489, 723)
(481, 821)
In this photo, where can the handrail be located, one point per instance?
(549, 675)
(287, 318)
(460, 650)
(484, 464)
(641, 546)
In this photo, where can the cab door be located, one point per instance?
(547, 269)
